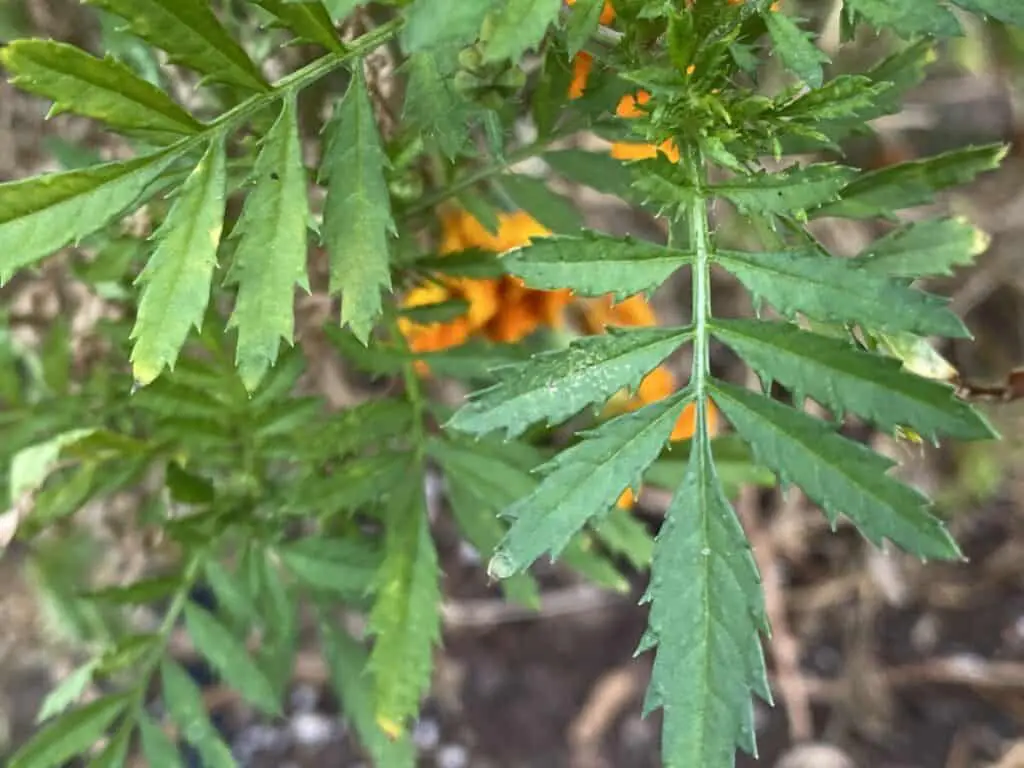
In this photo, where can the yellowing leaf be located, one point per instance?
(271, 256)
(357, 212)
(405, 619)
(177, 277)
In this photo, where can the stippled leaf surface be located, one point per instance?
(270, 259)
(908, 17)
(518, 26)
(924, 248)
(594, 264)
(103, 89)
(191, 35)
(882, 192)
(841, 476)
(797, 189)
(842, 97)
(585, 481)
(176, 279)
(406, 619)
(435, 23)
(433, 105)
(556, 385)
(706, 614)
(843, 378)
(357, 213)
(831, 289)
(41, 214)
(796, 48)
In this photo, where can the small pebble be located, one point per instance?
(311, 729)
(452, 756)
(426, 734)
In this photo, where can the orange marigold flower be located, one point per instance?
(581, 66)
(503, 309)
(621, 150)
(607, 13)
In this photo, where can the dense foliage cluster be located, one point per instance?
(451, 265)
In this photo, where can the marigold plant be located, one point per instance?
(453, 261)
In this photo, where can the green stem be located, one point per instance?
(701, 247)
(295, 81)
(174, 611)
(413, 391)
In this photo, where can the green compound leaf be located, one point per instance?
(177, 277)
(116, 750)
(706, 613)
(844, 97)
(830, 289)
(595, 264)
(626, 536)
(44, 213)
(229, 657)
(841, 476)
(584, 481)
(406, 616)
(344, 566)
(157, 748)
(309, 21)
(191, 35)
(357, 211)
(584, 19)
(271, 256)
(71, 734)
(555, 385)
(796, 48)
(548, 207)
(431, 24)
(843, 378)
(924, 248)
(185, 703)
(1008, 11)
(518, 26)
(103, 89)
(905, 185)
(597, 170)
(480, 484)
(433, 105)
(347, 661)
(796, 189)
(908, 18)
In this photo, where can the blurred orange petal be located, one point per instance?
(581, 67)
(607, 13)
(513, 323)
(657, 385)
(686, 425)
